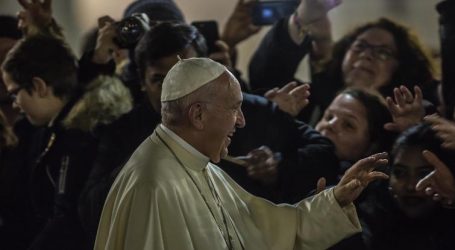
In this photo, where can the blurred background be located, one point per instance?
(78, 16)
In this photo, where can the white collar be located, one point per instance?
(183, 143)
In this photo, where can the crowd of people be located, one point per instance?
(158, 144)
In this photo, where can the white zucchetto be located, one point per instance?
(188, 75)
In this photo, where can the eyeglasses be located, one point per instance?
(12, 95)
(379, 52)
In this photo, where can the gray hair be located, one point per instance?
(173, 113)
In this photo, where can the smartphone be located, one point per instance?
(269, 12)
(209, 29)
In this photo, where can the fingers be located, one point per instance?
(376, 159)
(407, 95)
(418, 97)
(392, 106)
(102, 21)
(376, 175)
(271, 93)
(301, 91)
(321, 184)
(431, 158)
(399, 98)
(288, 87)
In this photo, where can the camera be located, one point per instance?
(130, 30)
(269, 12)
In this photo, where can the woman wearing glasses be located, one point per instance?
(381, 55)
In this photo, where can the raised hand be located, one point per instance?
(440, 183)
(291, 98)
(105, 47)
(357, 178)
(444, 129)
(406, 110)
(239, 25)
(35, 16)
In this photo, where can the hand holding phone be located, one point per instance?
(269, 12)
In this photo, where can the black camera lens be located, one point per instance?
(130, 30)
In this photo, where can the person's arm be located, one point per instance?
(307, 30)
(275, 61)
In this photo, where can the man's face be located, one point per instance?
(155, 74)
(371, 60)
(224, 115)
(28, 103)
(345, 124)
(408, 168)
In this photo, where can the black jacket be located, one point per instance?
(306, 154)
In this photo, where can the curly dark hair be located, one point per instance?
(415, 66)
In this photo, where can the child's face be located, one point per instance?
(408, 168)
(28, 102)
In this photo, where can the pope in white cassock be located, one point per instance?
(171, 195)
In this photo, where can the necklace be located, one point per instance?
(227, 238)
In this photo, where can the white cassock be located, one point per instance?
(169, 196)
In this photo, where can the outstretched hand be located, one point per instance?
(35, 16)
(444, 129)
(406, 110)
(357, 178)
(105, 48)
(440, 183)
(291, 98)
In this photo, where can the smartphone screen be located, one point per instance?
(269, 12)
(209, 29)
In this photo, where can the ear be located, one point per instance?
(195, 115)
(41, 88)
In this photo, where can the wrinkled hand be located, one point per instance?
(222, 55)
(105, 48)
(239, 25)
(440, 183)
(262, 165)
(35, 16)
(357, 178)
(311, 11)
(444, 129)
(406, 110)
(291, 98)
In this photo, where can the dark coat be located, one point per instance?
(117, 142)
(385, 226)
(275, 62)
(56, 162)
(306, 154)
